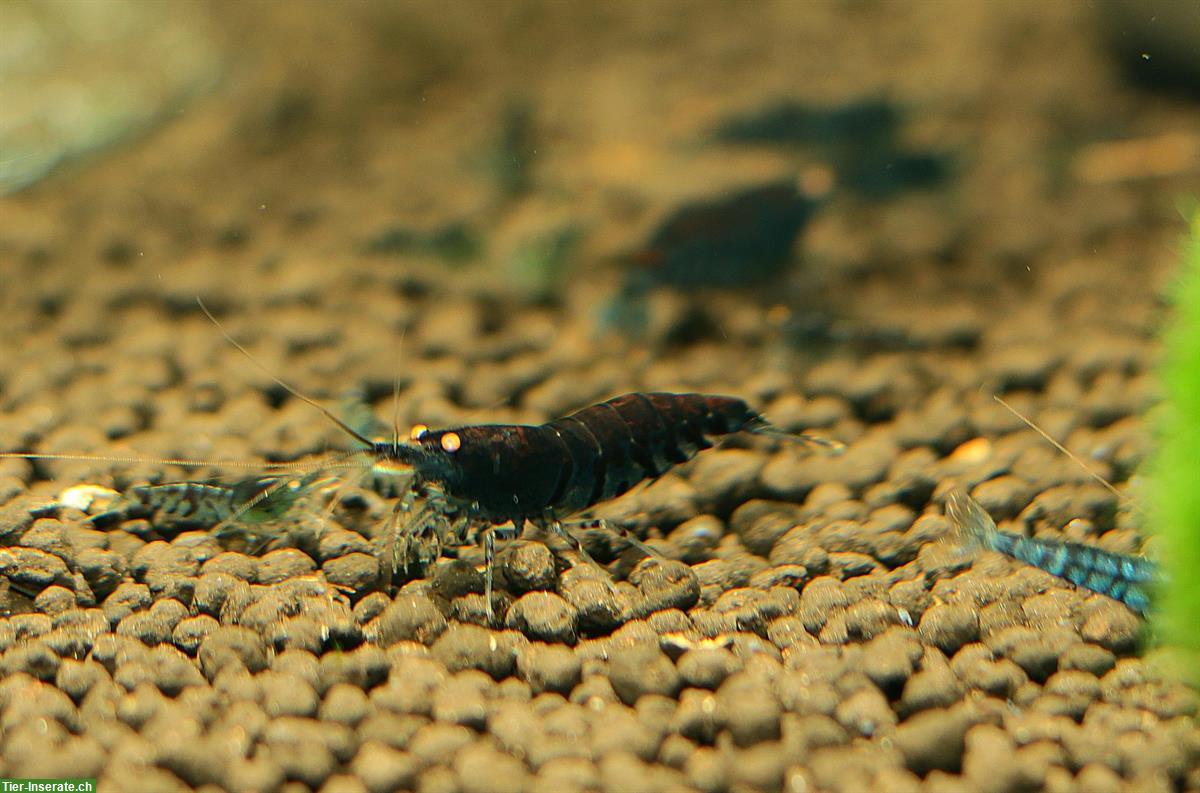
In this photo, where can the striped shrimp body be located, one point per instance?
(237, 509)
(1125, 578)
(493, 474)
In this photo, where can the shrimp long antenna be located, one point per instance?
(307, 400)
(1074, 457)
(131, 460)
(396, 390)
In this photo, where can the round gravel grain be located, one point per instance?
(760, 523)
(165, 585)
(694, 540)
(343, 783)
(675, 751)
(345, 704)
(549, 667)
(258, 773)
(306, 762)
(890, 658)
(642, 669)
(594, 691)
(103, 569)
(230, 563)
(543, 616)
(454, 578)
(749, 710)
(339, 739)
(188, 757)
(410, 686)
(296, 633)
(337, 542)
(1111, 625)
(286, 695)
(707, 668)
(172, 670)
(948, 626)
(665, 584)
(707, 770)
(28, 626)
(759, 767)
(989, 761)
(408, 618)
(232, 644)
(357, 572)
(867, 619)
(370, 607)
(1037, 656)
(438, 743)
(822, 597)
(620, 731)
(147, 627)
(34, 658)
(76, 678)
(483, 769)
(283, 564)
(566, 775)
(933, 740)
(462, 700)
(158, 559)
(472, 647)
(301, 663)
(190, 633)
(528, 567)
(391, 729)
(1089, 658)
(213, 589)
(592, 595)
(865, 712)
(934, 687)
(365, 666)
(127, 598)
(383, 768)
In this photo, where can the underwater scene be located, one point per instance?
(524, 395)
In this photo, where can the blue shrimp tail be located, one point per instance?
(1125, 578)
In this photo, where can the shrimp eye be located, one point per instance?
(418, 432)
(451, 442)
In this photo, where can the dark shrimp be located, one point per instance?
(487, 475)
(515, 472)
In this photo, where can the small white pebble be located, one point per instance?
(85, 497)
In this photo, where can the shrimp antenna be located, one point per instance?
(1071, 455)
(307, 400)
(767, 428)
(105, 458)
(396, 390)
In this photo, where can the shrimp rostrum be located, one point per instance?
(496, 477)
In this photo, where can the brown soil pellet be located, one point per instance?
(284, 564)
(383, 768)
(549, 667)
(528, 567)
(543, 616)
(642, 669)
(593, 598)
(472, 647)
(408, 618)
